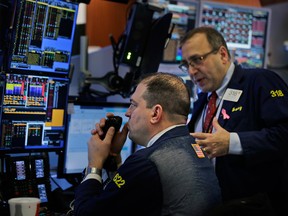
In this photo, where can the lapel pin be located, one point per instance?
(225, 115)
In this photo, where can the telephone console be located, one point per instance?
(27, 176)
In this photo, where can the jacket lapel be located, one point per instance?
(235, 83)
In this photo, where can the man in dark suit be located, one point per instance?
(249, 125)
(170, 176)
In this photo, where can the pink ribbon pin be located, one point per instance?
(225, 115)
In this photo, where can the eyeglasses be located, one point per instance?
(195, 61)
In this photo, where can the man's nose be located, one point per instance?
(192, 70)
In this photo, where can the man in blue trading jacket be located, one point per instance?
(171, 176)
(249, 140)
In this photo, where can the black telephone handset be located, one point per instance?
(115, 121)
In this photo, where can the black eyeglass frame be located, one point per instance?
(195, 61)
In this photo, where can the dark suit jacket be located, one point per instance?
(260, 118)
(167, 178)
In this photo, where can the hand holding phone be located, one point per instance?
(116, 122)
(113, 121)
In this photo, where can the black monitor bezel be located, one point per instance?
(13, 150)
(74, 178)
(12, 37)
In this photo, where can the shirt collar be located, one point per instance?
(220, 91)
(158, 135)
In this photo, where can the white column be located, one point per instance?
(81, 18)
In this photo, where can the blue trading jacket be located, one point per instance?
(260, 117)
(167, 178)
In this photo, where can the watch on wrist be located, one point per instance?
(93, 170)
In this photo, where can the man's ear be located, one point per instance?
(157, 112)
(224, 53)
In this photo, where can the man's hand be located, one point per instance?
(214, 144)
(119, 138)
(98, 149)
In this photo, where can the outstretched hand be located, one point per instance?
(214, 144)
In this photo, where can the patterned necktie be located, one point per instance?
(210, 113)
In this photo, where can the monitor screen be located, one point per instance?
(42, 36)
(33, 112)
(82, 118)
(184, 18)
(245, 29)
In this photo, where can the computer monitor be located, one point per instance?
(33, 113)
(82, 117)
(184, 18)
(42, 36)
(246, 30)
(142, 43)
